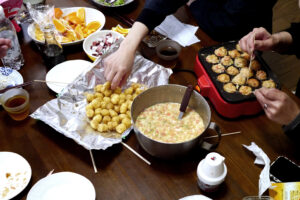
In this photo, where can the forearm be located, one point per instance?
(134, 37)
(282, 41)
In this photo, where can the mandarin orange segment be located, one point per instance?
(94, 25)
(79, 33)
(80, 14)
(71, 35)
(60, 27)
(58, 13)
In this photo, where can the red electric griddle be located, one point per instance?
(230, 105)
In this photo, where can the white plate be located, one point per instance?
(91, 14)
(63, 186)
(9, 77)
(196, 197)
(102, 4)
(65, 72)
(15, 174)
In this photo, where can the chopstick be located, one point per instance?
(138, 155)
(225, 134)
(31, 82)
(126, 20)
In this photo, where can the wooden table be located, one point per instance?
(121, 174)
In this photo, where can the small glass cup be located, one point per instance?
(16, 103)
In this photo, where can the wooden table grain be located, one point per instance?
(121, 174)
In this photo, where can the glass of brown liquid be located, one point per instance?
(16, 103)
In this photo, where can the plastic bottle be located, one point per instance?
(14, 58)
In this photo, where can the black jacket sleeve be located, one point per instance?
(155, 11)
(293, 129)
(294, 30)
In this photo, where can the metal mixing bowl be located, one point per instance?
(163, 94)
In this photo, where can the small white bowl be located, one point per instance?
(91, 14)
(94, 37)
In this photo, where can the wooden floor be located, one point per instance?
(286, 67)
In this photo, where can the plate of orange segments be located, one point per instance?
(72, 25)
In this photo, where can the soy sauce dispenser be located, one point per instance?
(52, 50)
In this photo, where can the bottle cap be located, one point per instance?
(2, 15)
(212, 169)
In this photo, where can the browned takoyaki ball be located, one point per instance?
(218, 68)
(232, 70)
(261, 75)
(212, 59)
(224, 78)
(253, 82)
(229, 87)
(245, 90)
(221, 52)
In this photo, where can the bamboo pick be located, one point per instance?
(93, 161)
(225, 134)
(138, 155)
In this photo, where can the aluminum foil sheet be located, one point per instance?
(66, 114)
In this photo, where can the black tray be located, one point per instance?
(233, 97)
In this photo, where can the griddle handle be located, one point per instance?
(186, 98)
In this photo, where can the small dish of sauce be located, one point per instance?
(168, 49)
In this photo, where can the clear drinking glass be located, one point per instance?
(16, 103)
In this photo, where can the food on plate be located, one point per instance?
(221, 52)
(255, 65)
(11, 182)
(253, 82)
(269, 84)
(224, 78)
(232, 70)
(112, 3)
(261, 75)
(246, 72)
(229, 87)
(218, 68)
(212, 59)
(226, 60)
(245, 56)
(238, 47)
(239, 79)
(70, 28)
(109, 110)
(101, 45)
(245, 90)
(240, 62)
(160, 122)
(120, 29)
(234, 53)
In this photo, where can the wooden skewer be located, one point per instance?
(54, 82)
(225, 134)
(138, 155)
(93, 161)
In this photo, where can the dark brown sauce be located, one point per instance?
(15, 101)
(168, 51)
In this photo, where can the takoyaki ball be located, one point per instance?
(245, 90)
(224, 78)
(212, 59)
(245, 55)
(240, 62)
(218, 68)
(246, 72)
(226, 60)
(239, 79)
(232, 70)
(253, 82)
(255, 65)
(234, 53)
(268, 84)
(261, 75)
(229, 87)
(221, 52)
(238, 47)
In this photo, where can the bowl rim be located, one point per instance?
(93, 35)
(168, 143)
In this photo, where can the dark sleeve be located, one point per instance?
(294, 30)
(155, 11)
(293, 129)
(232, 19)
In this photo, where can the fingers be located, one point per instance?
(5, 42)
(116, 80)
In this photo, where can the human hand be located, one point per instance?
(278, 106)
(118, 66)
(5, 44)
(258, 39)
